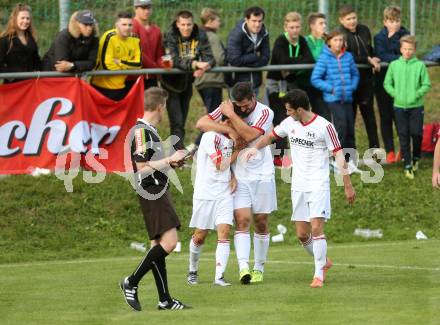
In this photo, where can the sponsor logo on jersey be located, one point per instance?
(310, 135)
(301, 142)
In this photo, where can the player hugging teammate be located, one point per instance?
(255, 195)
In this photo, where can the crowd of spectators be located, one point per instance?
(336, 87)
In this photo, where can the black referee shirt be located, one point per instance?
(147, 146)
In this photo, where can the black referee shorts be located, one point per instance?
(160, 214)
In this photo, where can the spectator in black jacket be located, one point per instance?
(190, 51)
(18, 45)
(358, 38)
(289, 48)
(387, 48)
(76, 47)
(248, 46)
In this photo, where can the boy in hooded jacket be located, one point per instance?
(337, 76)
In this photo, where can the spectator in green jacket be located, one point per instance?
(317, 24)
(316, 41)
(407, 81)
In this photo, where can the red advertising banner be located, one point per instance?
(41, 119)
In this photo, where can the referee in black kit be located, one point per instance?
(150, 166)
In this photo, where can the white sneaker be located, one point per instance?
(221, 282)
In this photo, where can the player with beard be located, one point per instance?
(255, 197)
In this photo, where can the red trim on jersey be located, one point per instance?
(276, 135)
(263, 118)
(311, 121)
(259, 129)
(216, 114)
(319, 237)
(331, 131)
(217, 141)
(336, 150)
(216, 157)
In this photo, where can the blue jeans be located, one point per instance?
(178, 107)
(343, 120)
(409, 124)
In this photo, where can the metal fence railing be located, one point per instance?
(52, 74)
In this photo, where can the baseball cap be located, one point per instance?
(140, 3)
(85, 17)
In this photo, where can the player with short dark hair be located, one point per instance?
(190, 51)
(248, 46)
(150, 166)
(311, 137)
(118, 50)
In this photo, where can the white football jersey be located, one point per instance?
(262, 166)
(212, 184)
(310, 144)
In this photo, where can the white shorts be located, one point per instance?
(308, 205)
(207, 214)
(260, 196)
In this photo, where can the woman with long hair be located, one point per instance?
(18, 43)
(75, 48)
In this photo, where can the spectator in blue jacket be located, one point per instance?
(387, 48)
(248, 46)
(337, 76)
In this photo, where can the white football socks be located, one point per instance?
(242, 243)
(308, 245)
(320, 255)
(261, 246)
(221, 257)
(194, 255)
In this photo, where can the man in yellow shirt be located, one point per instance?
(118, 50)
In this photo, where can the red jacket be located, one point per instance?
(151, 45)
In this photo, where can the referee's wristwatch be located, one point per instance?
(72, 66)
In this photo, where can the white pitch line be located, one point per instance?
(377, 266)
(185, 257)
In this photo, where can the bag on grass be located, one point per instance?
(430, 137)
